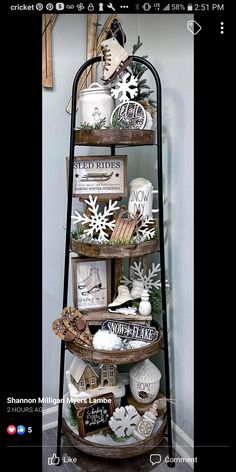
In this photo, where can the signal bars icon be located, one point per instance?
(166, 8)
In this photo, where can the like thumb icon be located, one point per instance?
(54, 460)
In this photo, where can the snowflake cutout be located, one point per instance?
(124, 420)
(148, 280)
(98, 222)
(128, 331)
(144, 231)
(127, 86)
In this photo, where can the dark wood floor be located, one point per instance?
(87, 463)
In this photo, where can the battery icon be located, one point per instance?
(190, 7)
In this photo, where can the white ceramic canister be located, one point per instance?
(144, 381)
(95, 104)
(141, 197)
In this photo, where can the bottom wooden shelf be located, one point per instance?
(118, 451)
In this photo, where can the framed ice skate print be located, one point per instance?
(101, 176)
(91, 283)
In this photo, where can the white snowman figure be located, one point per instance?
(96, 115)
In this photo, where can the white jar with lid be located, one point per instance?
(95, 104)
(144, 381)
(146, 424)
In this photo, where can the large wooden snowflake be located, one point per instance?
(124, 420)
(127, 88)
(99, 223)
(149, 280)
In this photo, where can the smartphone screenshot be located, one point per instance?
(117, 116)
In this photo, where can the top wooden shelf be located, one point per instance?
(117, 137)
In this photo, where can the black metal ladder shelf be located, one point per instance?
(151, 68)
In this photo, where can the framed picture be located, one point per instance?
(101, 176)
(91, 283)
(94, 415)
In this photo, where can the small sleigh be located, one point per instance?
(96, 177)
(125, 226)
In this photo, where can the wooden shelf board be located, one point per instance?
(97, 317)
(116, 137)
(115, 251)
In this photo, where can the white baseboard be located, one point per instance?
(182, 443)
(50, 418)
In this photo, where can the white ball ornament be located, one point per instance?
(107, 341)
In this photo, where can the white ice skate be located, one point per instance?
(137, 289)
(86, 281)
(94, 283)
(115, 57)
(123, 300)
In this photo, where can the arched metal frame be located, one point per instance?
(161, 228)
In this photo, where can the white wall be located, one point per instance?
(170, 48)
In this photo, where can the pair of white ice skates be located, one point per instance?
(125, 297)
(92, 283)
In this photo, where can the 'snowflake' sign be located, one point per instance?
(131, 330)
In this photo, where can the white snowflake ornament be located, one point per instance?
(128, 85)
(98, 222)
(148, 280)
(144, 231)
(124, 420)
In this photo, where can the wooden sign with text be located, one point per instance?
(101, 176)
(131, 330)
(94, 414)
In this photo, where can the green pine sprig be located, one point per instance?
(138, 70)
